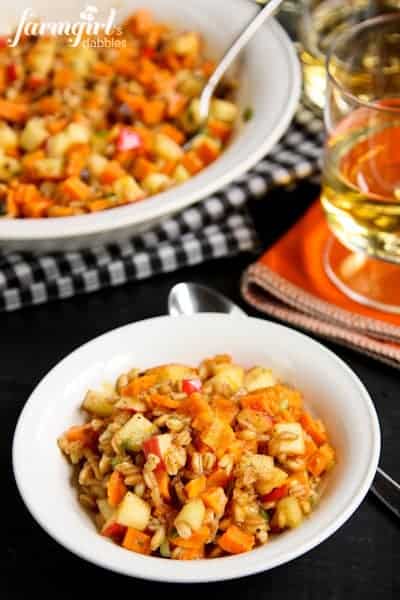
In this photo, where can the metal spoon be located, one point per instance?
(192, 298)
(226, 61)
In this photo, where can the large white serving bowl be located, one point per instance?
(330, 388)
(270, 83)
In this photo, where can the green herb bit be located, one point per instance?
(124, 444)
(165, 549)
(103, 133)
(248, 114)
(264, 514)
(115, 461)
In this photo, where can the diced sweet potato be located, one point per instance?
(215, 499)
(116, 489)
(136, 541)
(196, 486)
(134, 512)
(236, 541)
(225, 409)
(218, 435)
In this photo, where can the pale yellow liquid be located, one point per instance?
(318, 28)
(362, 197)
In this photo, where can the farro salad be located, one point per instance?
(187, 463)
(86, 129)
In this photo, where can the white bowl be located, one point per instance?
(330, 388)
(270, 83)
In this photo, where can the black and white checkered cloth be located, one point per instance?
(216, 227)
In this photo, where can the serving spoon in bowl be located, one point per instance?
(192, 298)
(230, 55)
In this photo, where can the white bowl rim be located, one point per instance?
(15, 230)
(257, 566)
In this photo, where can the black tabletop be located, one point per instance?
(361, 560)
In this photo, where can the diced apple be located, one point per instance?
(105, 509)
(186, 43)
(80, 58)
(276, 494)
(77, 133)
(166, 148)
(33, 134)
(190, 84)
(98, 404)
(49, 168)
(97, 163)
(126, 188)
(189, 386)
(258, 378)
(135, 432)
(223, 110)
(133, 512)
(226, 373)
(192, 514)
(191, 119)
(58, 144)
(9, 166)
(180, 175)
(201, 139)
(261, 463)
(172, 373)
(288, 513)
(41, 58)
(275, 479)
(287, 438)
(255, 419)
(158, 445)
(113, 530)
(156, 183)
(134, 405)
(8, 137)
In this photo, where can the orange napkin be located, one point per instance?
(289, 282)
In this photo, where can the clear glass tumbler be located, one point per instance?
(319, 23)
(361, 173)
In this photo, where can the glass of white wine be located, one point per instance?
(319, 23)
(361, 173)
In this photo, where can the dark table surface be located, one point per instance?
(362, 560)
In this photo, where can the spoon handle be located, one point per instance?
(232, 53)
(387, 490)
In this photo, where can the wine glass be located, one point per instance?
(319, 22)
(361, 173)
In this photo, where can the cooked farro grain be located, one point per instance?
(197, 463)
(87, 501)
(157, 538)
(173, 423)
(208, 460)
(140, 489)
(152, 462)
(133, 480)
(183, 438)
(163, 460)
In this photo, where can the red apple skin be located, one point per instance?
(12, 72)
(276, 494)
(35, 82)
(153, 446)
(189, 386)
(114, 531)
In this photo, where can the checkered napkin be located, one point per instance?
(218, 226)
